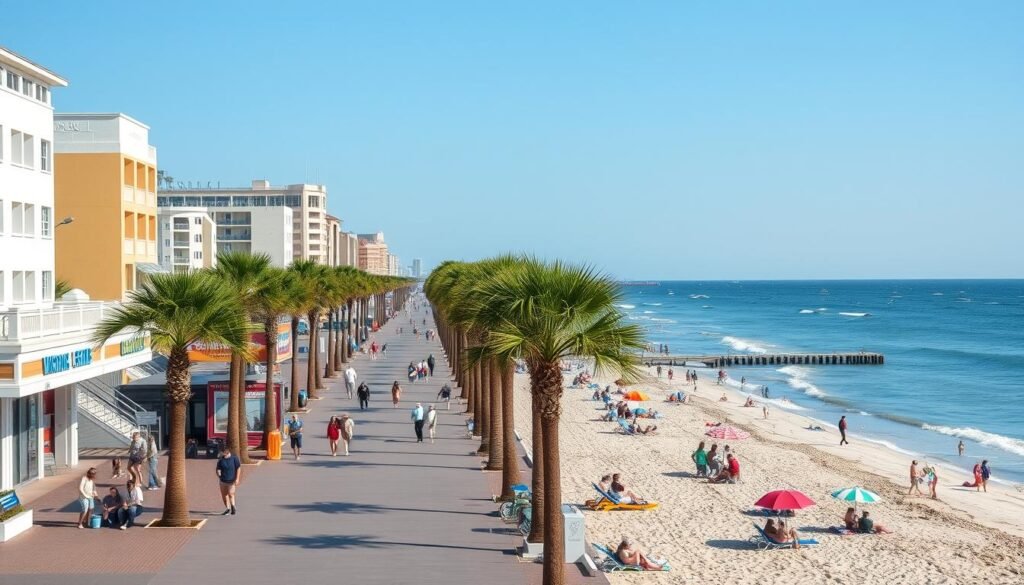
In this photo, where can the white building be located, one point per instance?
(417, 267)
(307, 203)
(187, 239)
(266, 230)
(45, 346)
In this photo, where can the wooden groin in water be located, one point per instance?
(768, 359)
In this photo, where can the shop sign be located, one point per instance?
(63, 362)
(133, 345)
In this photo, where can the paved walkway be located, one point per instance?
(395, 511)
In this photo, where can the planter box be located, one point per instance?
(14, 526)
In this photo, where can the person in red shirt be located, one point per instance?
(333, 434)
(842, 430)
(731, 473)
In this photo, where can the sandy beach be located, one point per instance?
(703, 529)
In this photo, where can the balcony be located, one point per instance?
(128, 193)
(221, 222)
(61, 319)
(242, 237)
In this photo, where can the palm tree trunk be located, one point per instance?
(233, 398)
(478, 411)
(494, 455)
(459, 360)
(293, 404)
(243, 420)
(344, 325)
(549, 380)
(329, 366)
(316, 371)
(179, 390)
(485, 407)
(537, 470)
(270, 400)
(314, 342)
(509, 456)
(337, 341)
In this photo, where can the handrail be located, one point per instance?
(121, 404)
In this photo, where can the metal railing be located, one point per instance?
(60, 319)
(109, 406)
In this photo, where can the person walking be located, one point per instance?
(670, 375)
(384, 351)
(153, 458)
(396, 394)
(986, 473)
(364, 396)
(350, 380)
(348, 430)
(87, 496)
(417, 421)
(229, 472)
(430, 364)
(842, 431)
(915, 475)
(960, 449)
(446, 395)
(431, 422)
(413, 373)
(659, 371)
(700, 459)
(295, 434)
(136, 453)
(333, 434)
(132, 505)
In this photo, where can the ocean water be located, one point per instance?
(954, 355)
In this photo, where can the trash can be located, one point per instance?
(575, 548)
(95, 521)
(303, 399)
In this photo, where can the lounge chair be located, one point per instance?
(625, 428)
(611, 562)
(608, 502)
(765, 542)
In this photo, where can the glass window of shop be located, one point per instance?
(25, 414)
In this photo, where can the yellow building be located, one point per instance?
(373, 254)
(105, 178)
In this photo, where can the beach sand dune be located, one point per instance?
(704, 529)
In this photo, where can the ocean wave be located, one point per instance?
(742, 345)
(1008, 444)
(659, 320)
(699, 297)
(888, 445)
(796, 377)
(846, 314)
(652, 304)
(807, 311)
(625, 306)
(648, 312)
(938, 294)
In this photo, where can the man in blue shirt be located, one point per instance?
(295, 434)
(417, 421)
(229, 471)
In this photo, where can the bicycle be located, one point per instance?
(511, 512)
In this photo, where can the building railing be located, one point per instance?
(61, 319)
(235, 237)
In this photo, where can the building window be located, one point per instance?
(1, 231)
(21, 149)
(198, 238)
(44, 156)
(197, 255)
(198, 221)
(45, 221)
(23, 218)
(1, 143)
(42, 94)
(27, 87)
(12, 80)
(314, 201)
(24, 285)
(47, 285)
(293, 201)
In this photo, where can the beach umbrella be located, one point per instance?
(637, 395)
(857, 495)
(784, 500)
(727, 433)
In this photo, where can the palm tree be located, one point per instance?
(273, 300)
(555, 312)
(61, 288)
(245, 274)
(177, 310)
(313, 279)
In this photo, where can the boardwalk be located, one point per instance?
(395, 511)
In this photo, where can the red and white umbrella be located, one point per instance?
(727, 433)
(784, 500)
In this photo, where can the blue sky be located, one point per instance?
(655, 140)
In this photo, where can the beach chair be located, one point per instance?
(608, 502)
(765, 542)
(612, 564)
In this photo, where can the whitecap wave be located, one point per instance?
(662, 320)
(847, 314)
(1009, 444)
(624, 306)
(652, 304)
(743, 345)
(796, 377)
(938, 294)
(707, 307)
(807, 311)
(699, 297)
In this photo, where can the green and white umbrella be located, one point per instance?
(857, 495)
